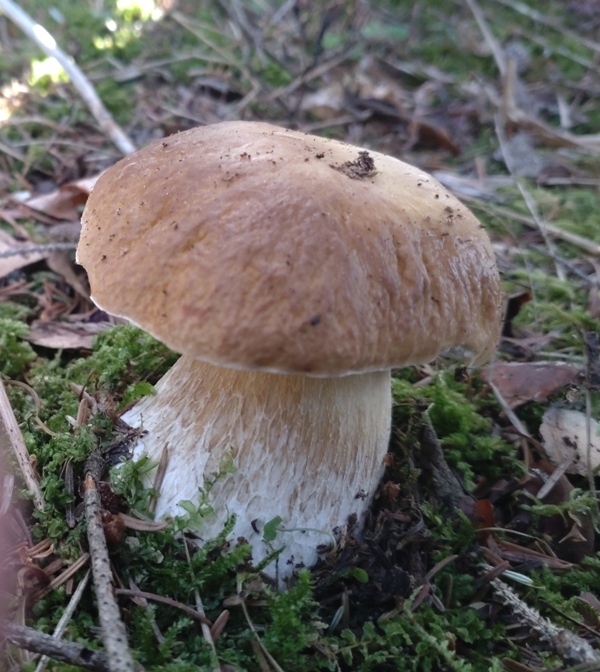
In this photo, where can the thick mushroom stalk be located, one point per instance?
(309, 450)
(312, 265)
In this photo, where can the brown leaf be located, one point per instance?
(520, 382)
(14, 262)
(65, 335)
(65, 202)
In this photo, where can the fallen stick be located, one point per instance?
(57, 649)
(47, 44)
(114, 634)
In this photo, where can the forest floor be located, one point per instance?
(481, 548)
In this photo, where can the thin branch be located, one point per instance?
(566, 643)
(10, 433)
(36, 249)
(47, 44)
(57, 649)
(114, 634)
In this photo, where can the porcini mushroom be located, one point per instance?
(293, 273)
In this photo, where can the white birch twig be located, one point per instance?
(47, 44)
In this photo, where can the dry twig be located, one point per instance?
(11, 434)
(36, 249)
(566, 643)
(48, 45)
(57, 649)
(114, 634)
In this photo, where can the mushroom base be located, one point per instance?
(309, 450)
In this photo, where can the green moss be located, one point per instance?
(122, 359)
(15, 353)
(579, 213)
(461, 423)
(10, 310)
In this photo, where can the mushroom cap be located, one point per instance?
(250, 246)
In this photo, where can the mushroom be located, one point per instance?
(292, 273)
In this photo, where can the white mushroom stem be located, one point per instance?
(309, 450)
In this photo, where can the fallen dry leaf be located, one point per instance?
(565, 435)
(65, 202)
(16, 261)
(65, 335)
(520, 382)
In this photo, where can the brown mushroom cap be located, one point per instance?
(250, 246)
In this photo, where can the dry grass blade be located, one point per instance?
(10, 435)
(261, 647)
(36, 249)
(585, 244)
(548, 20)
(65, 618)
(515, 422)
(165, 600)
(529, 200)
(492, 42)
(206, 628)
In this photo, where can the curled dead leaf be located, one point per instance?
(520, 382)
(65, 335)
